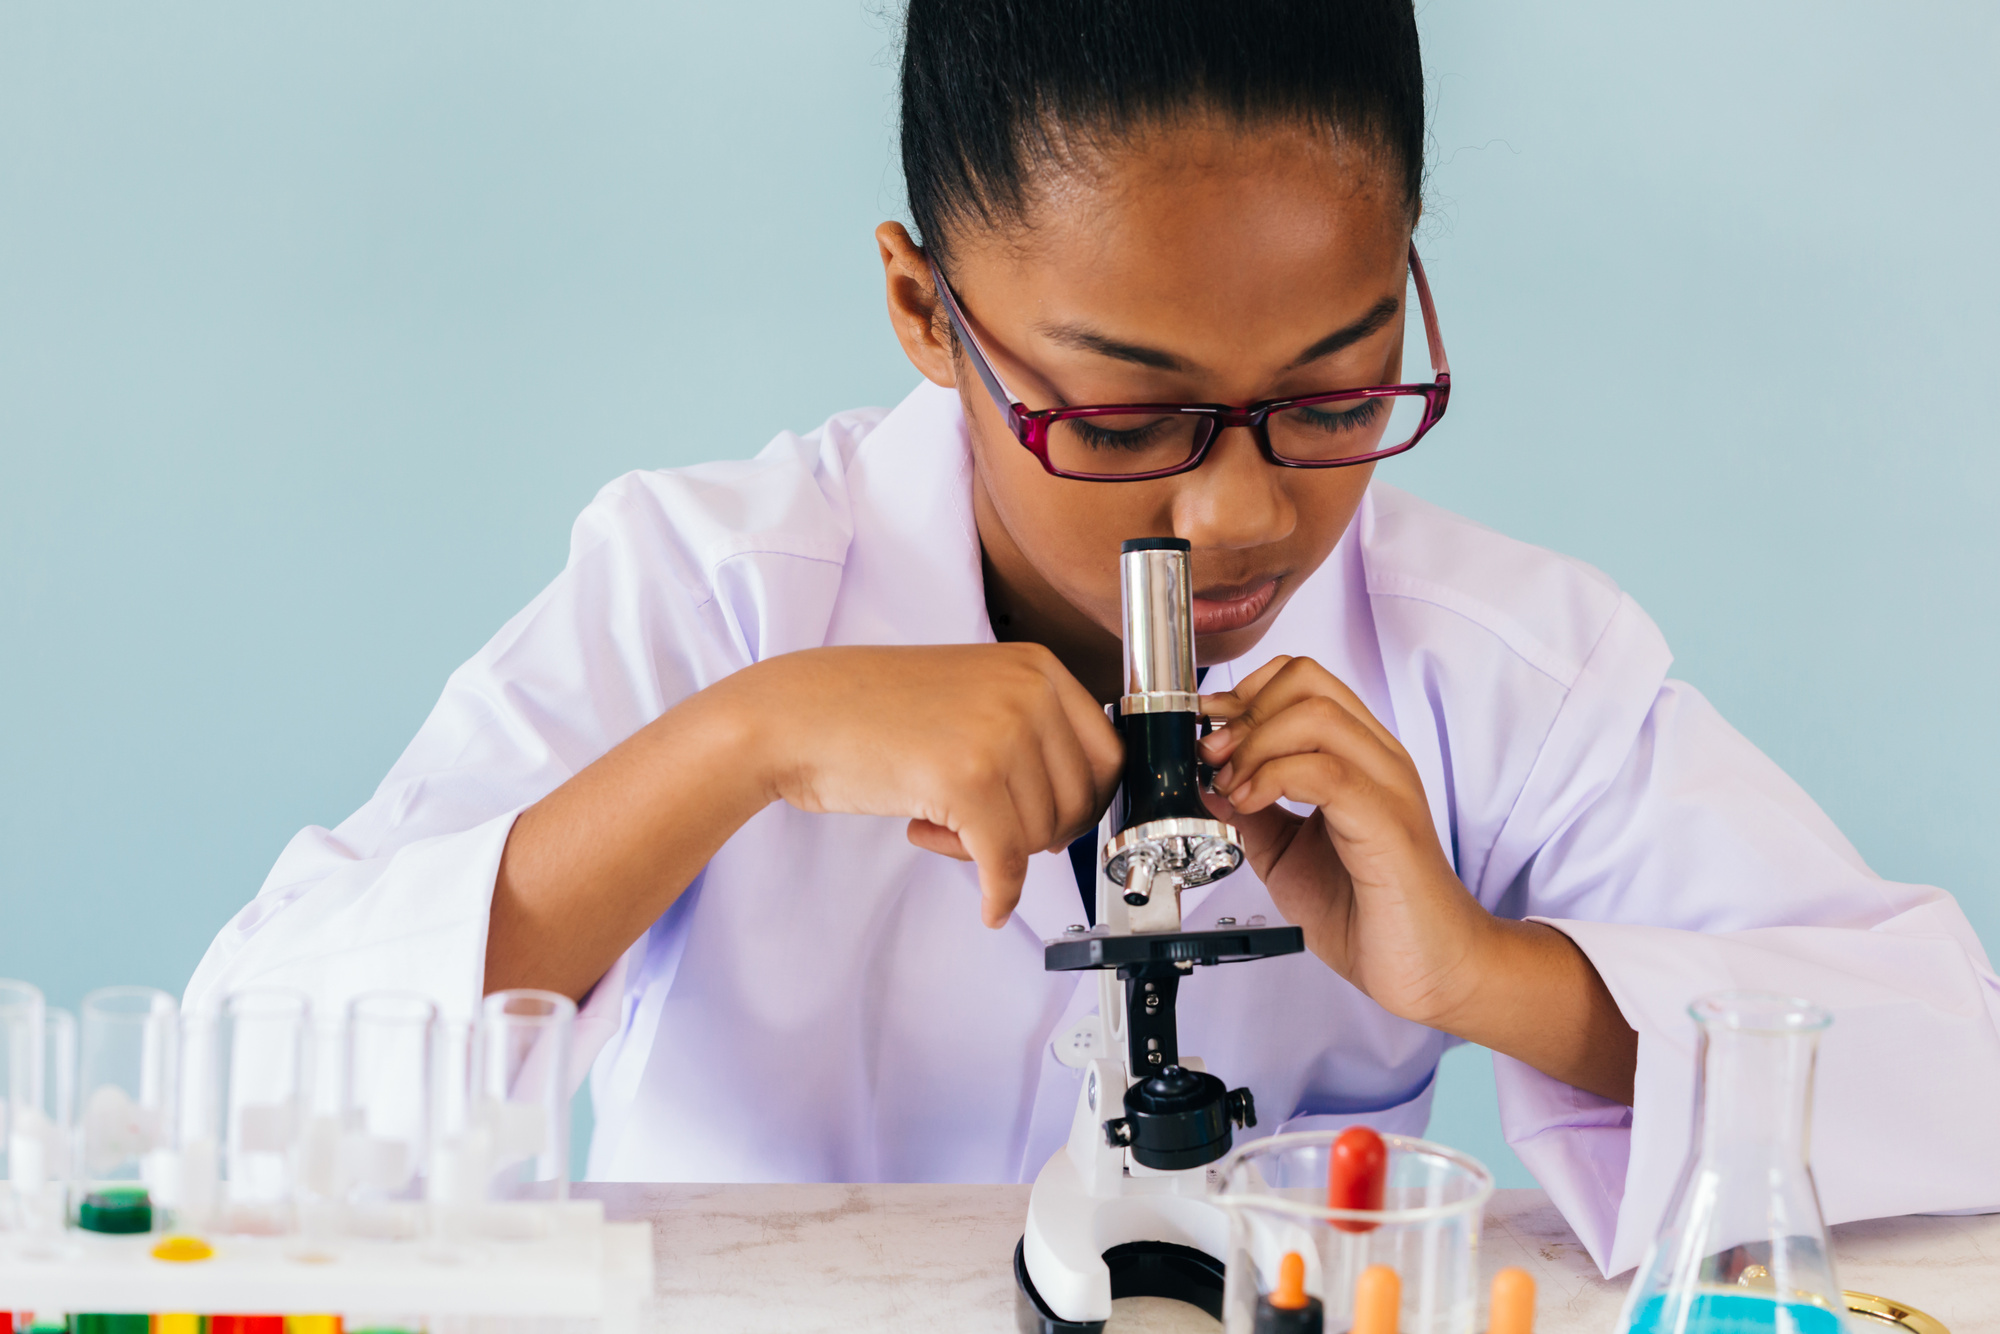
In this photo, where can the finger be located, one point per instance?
(1298, 679)
(1315, 724)
(936, 838)
(1103, 752)
(1073, 782)
(1231, 703)
(1329, 782)
(1266, 833)
(1031, 790)
(1000, 849)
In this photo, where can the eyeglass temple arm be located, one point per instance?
(1439, 366)
(980, 361)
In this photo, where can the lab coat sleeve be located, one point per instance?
(1695, 865)
(397, 896)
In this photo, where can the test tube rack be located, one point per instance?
(558, 1261)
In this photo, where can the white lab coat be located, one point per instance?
(822, 1004)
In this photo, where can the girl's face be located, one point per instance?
(1201, 264)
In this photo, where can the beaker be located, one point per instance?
(520, 1092)
(387, 1108)
(1275, 1192)
(246, 1080)
(126, 1088)
(1744, 1246)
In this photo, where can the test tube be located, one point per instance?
(23, 1067)
(387, 1110)
(126, 1089)
(246, 1082)
(45, 1210)
(521, 1092)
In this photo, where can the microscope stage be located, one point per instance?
(1227, 945)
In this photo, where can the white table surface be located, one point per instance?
(812, 1258)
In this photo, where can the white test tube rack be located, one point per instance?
(537, 1260)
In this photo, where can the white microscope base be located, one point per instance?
(1086, 1201)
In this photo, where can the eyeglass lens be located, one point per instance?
(1314, 433)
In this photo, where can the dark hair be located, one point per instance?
(995, 89)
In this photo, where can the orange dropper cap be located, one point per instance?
(1290, 1294)
(1378, 1300)
(1513, 1308)
(1357, 1175)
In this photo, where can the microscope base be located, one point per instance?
(1100, 1227)
(1138, 1269)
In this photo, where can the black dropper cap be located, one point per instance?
(1307, 1319)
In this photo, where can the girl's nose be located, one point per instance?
(1235, 498)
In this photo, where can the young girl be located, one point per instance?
(778, 777)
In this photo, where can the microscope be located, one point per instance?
(1122, 1210)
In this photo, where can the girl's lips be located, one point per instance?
(1226, 609)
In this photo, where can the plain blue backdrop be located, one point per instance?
(318, 324)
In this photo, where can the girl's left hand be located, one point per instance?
(1364, 874)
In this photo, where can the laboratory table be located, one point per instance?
(811, 1258)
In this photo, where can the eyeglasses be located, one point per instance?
(1135, 442)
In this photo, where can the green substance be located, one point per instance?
(109, 1324)
(124, 1210)
(119, 1211)
(1730, 1313)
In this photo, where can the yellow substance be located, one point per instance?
(183, 1250)
(177, 1322)
(312, 1324)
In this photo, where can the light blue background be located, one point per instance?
(318, 324)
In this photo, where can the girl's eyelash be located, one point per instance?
(1348, 420)
(1099, 438)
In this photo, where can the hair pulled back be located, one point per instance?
(996, 91)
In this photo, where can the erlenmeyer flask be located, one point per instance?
(1744, 1247)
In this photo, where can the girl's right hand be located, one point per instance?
(993, 752)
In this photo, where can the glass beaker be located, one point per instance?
(125, 1087)
(1275, 1191)
(1744, 1247)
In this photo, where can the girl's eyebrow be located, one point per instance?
(1086, 339)
(1378, 315)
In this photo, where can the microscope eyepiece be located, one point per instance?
(1163, 828)
(1157, 589)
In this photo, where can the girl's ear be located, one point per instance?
(914, 312)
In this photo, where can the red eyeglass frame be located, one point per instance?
(1030, 426)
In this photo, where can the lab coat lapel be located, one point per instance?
(914, 576)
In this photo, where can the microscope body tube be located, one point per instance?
(1163, 827)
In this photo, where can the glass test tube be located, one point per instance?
(246, 1083)
(126, 1087)
(46, 1210)
(23, 1161)
(521, 1092)
(387, 1113)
